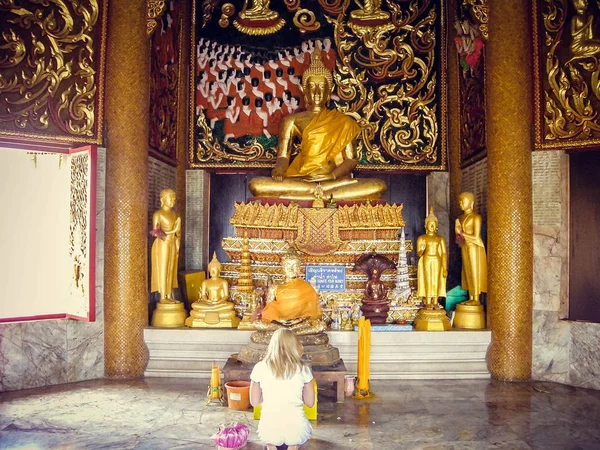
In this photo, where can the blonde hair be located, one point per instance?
(284, 354)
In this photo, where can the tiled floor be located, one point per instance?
(170, 413)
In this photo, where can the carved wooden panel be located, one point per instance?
(387, 58)
(52, 69)
(567, 73)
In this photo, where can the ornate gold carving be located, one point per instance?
(51, 56)
(164, 83)
(317, 231)
(470, 44)
(305, 20)
(479, 12)
(570, 61)
(386, 78)
(292, 5)
(388, 82)
(78, 226)
(207, 149)
(208, 7)
(155, 10)
(227, 10)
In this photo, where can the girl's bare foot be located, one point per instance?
(271, 447)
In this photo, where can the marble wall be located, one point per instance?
(196, 219)
(43, 353)
(563, 351)
(438, 196)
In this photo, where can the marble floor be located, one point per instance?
(170, 414)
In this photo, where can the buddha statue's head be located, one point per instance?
(466, 200)
(214, 266)
(291, 264)
(317, 82)
(167, 198)
(431, 221)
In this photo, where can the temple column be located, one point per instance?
(186, 76)
(454, 256)
(509, 146)
(126, 259)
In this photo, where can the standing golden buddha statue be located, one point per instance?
(470, 314)
(432, 271)
(328, 152)
(166, 228)
(213, 310)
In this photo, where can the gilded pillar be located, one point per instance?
(126, 266)
(185, 78)
(453, 146)
(509, 146)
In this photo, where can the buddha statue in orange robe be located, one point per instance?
(294, 298)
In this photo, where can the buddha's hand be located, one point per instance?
(277, 173)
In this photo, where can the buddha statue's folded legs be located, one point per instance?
(299, 189)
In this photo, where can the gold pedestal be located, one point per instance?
(471, 317)
(211, 319)
(432, 320)
(169, 315)
(246, 323)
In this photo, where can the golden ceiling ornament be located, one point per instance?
(227, 10)
(568, 93)
(259, 19)
(154, 11)
(305, 20)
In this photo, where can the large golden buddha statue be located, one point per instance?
(328, 150)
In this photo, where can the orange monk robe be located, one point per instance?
(323, 141)
(293, 300)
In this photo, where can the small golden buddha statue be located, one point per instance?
(432, 269)
(327, 149)
(166, 228)
(468, 237)
(213, 310)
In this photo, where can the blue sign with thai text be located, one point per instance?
(327, 278)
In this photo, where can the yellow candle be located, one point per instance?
(364, 350)
(215, 382)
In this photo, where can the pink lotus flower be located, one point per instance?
(157, 232)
